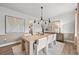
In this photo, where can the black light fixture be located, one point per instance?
(41, 12)
(49, 20)
(45, 22)
(38, 22)
(41, 18)
(34, 21)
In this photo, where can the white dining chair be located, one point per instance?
(41, 44)
(51, 40)
(54, 39)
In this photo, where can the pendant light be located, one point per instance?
(49, 20)
(34, 21)
(38, 22)
(41, 12)
(41, 18)
(45, 22)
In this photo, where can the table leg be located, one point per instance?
(30, 48)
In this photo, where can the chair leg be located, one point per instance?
(45, 50)
(54, 42)
(36, 51)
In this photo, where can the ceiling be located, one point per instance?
(33, 9)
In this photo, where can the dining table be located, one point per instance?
(31, 39)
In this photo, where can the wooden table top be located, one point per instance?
(35, 37)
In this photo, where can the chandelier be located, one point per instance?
(41, 18)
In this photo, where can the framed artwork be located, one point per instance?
(14, 24)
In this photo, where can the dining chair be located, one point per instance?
(54, 39)
(41, 44)
(51, 40)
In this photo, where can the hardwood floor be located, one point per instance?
(61, 48)
(69, 49)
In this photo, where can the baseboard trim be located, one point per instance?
(69, 41)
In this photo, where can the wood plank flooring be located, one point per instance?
(60, 48)
(69, 49)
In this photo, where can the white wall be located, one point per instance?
(67, 22)
(6, 11)
(67, 18)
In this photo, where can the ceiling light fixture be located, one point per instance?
(42, 19)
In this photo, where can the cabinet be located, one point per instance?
(60, 37)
